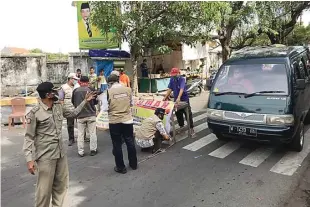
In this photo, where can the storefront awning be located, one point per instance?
(111, 54)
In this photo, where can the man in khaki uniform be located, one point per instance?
(119, 104)
(43, 145)
(65, 95)
(152, 132)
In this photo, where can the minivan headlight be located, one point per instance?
(280, 119)
(215, 114)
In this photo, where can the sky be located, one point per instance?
(48, 25)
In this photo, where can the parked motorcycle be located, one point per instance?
(194, 87)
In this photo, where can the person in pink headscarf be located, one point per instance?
(238, 80)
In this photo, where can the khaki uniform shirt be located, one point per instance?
(68, 90)
(148, 128)
(119, 101)
(44, 131)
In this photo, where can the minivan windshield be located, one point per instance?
(251, 79)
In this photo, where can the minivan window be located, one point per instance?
(254, 78)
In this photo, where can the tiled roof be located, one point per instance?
(14, 50)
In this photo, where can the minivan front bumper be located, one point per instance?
(264, 132)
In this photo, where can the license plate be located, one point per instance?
(243, 131)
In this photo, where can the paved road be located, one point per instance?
(194, 172)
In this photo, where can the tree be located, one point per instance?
(299, 36)
(36, 50)
(227, 18)
(239, 24)
(278, 18)
(146, 25)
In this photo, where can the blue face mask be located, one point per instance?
(75, 82)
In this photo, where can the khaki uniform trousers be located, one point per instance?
(53, 181)
(84, 124)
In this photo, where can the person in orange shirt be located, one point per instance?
(123, 78)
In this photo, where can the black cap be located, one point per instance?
(160, 111)
(113, 78)
(84, 79)
(85, 6)
(46, 87)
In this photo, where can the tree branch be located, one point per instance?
(252, 36)
(148, 21)
(294, 16)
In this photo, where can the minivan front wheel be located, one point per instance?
(299, 139)
(221, 137)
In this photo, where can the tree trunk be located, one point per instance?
(134, 61)
(225, 52)
(135, 75)
(225, 49)
(226, 41)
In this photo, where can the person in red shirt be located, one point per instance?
(240, 84)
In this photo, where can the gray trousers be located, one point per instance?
(90, 124)
(52, 182)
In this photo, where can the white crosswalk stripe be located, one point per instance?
(201, 143)
(257, 157)
(195, 119)
(225, 150)
(291, 161)
(287, 165)
(197, 129)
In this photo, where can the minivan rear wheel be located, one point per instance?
(299, 139)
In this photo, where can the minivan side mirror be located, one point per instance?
(300, 84)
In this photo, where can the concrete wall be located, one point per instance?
(57, 72)
(80, 61)
(24, 72)
(21, 71)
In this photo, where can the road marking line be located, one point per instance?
(257, 157)
(225, 150)
(291, 161)
(6, 142)
(200, 143)
(197, 129)
(195, 119)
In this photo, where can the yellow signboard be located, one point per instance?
(90, 37)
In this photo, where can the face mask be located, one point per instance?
(160, 116)
(53, 95)
(75, 82)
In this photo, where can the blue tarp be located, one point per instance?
(106, 65)
(109, 53)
